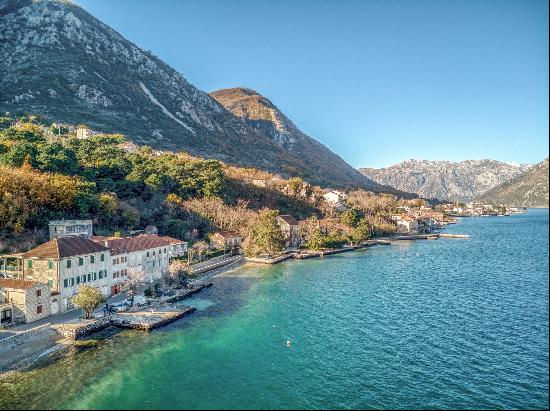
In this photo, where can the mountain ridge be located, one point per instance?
(529, 189)
(265, 118)
(445, 180)
(112, 85)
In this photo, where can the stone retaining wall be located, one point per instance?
(80, 331)
(211, 265)
(179, 297)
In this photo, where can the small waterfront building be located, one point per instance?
(148, 253)
(64, 228)
(24, 301)
(66, 263)
(228, 240)
(291, 230)
(407, 225)
(83, 132)
(336, 199)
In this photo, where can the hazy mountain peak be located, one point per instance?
(446, 180)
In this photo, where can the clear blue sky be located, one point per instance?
(378, 82)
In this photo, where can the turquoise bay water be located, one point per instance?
(449, 323)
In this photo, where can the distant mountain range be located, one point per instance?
(60, 62)
(446, 180)
(529, 189)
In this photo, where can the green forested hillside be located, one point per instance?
(47, 173)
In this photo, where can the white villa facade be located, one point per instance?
(66, 263)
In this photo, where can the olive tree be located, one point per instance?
(88, 298)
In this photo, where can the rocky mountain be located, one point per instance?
(529, 189)
(266, 119)
(59, 62)
(446, 180)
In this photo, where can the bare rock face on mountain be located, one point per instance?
(267, 120)
(446, 180)
(529, 189)
(59, 62)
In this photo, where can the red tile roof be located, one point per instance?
(139, 243)
(17, 284)
(228, 234)
(289, 219)
(65, 247)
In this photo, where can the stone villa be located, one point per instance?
(24, 301)
(66, 263)
(64, 228)
(57, 269)
(291, 230)
(228, 240)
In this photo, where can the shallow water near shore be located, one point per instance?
(450, 323)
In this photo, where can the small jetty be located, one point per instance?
(447, 235)
(269, 260)
(148, 320)
(185, 294)
(145, 318)
(414, 237)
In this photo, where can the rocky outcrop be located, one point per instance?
(260, 114)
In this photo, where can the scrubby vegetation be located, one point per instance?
(47, 173)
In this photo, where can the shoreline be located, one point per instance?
(46, 350)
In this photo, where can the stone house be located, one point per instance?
(30, 300)
(177, 248)
(151, 229)
(291, 230)
(228, 240)
(406, 224)
(83, 132)
(64, 228)
(67, 263)
(336, 199)
(148, 253)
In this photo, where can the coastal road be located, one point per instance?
(58, 318)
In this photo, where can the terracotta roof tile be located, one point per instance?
(17, 284)
(289, 219)
(139, 243)
(65, 247)
(228, 234)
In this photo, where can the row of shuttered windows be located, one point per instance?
(160, 252)
(81, 279)
(69, 262)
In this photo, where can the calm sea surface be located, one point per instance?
(450, 323)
